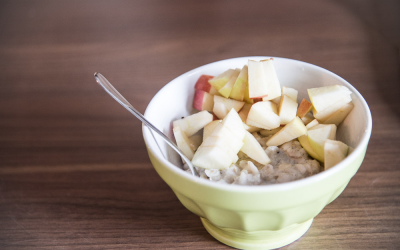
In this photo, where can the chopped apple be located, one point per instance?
(334, 152)
(267, 132)
(290, 92)
(324, 97)
(223, 105)
(257, 82)
(195, 141)
(304, 107)
(317, 136)
(263, 115)
(212, 157)
(244, 112)
(326, 113)
(239, 88)
(183, 142)
(312, 124)
(263, 81)
(193, 123)
(209, 128)
(203, 100)
(337, 117)
(219, 150)
(233, 122)
(253, 149)
(203, 84)
(223, 138)
(276, 100)
(287, 109)
(291, 131)
(307, 118)
(306, 145)
(226, 90)
(219, 81)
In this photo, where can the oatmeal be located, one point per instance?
(289, 162)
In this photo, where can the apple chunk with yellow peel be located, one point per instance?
(307, 146)
(291, 131)
(253, 149)
(203, 100)
(209, 128)
(337, 117)
(225, 91)
(223, 105)
(219, 150)
(290, 92)
(324, 97)
(203, 84)
(193, 123)
(219, 81)
(304, 107)
(239, 87)
(317, 136)
(263, 81)
(334, 152)
(263, 115)
(183, 142)
(287, 109)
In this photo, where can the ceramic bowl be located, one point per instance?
(255, 217)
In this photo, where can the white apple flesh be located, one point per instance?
(253, 149)
(193, 123)
(291, 131)
(183, 142)
(263, 115)
(317, 136)
(334, 152)
(324, 97)
(223, 105)
(287, 109)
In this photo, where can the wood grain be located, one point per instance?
(74, 172)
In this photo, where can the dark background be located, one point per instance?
(74, 171)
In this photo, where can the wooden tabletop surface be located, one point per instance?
(74, 171)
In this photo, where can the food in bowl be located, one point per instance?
(255, 133)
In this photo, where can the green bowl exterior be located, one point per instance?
(260, 210)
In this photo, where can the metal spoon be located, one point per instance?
(109, 88)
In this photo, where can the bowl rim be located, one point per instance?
(358, 150)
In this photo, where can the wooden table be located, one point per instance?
(74, 172)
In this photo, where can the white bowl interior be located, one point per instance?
(175, 99)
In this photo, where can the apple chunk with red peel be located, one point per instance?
(291, 131)
(287, 109)
(219, 81)
(203, 84)
(253, 149)
(337, 117)
(304, 107)
(183, 142)
(226, 90)
(324, 97)
(263, 115)
(191, 124)
(203, 100)
(219, 150)
(263, 81)
(223, 105)
(317, 136)
(334, 152)
(239, 87)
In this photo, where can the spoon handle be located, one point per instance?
(109, 88)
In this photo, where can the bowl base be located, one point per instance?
(258, 239)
